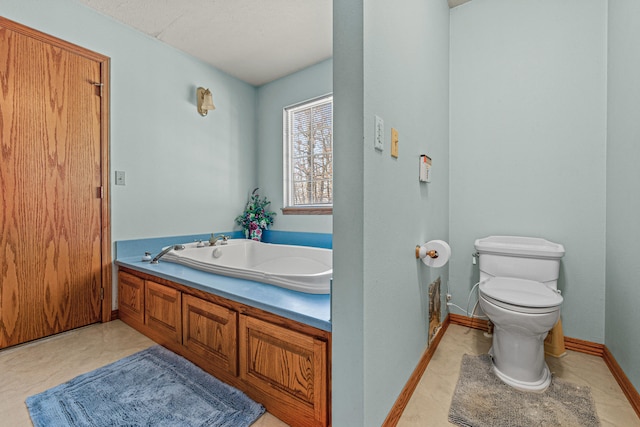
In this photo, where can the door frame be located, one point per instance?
(104, 190)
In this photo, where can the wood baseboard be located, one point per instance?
(582, 346)
(114, 315)
(405, 395)
(469, 322)
(574, 344)
(625, 384)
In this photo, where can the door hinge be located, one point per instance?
(101, 294)
(101, 192)
(100, 85)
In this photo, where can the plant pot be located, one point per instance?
(254, 232)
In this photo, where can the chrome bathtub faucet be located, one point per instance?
(214, 239)
(166, 251)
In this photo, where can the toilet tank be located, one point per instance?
(529, 258)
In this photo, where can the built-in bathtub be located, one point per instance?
(299, 268)
(283, 324)
(310, 309)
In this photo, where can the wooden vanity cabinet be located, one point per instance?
(278, 362)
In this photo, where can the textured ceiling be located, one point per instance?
(254, 40)
(257, 41)
(454, 3)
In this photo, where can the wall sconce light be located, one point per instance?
(205, 101)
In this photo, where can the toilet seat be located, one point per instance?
(520, 295)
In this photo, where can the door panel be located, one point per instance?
(210, 330)
(50, 210)
(162, 310)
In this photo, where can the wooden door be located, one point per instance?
(51, 210)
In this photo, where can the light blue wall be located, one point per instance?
(185, 174)
(347, 294)
(528, 99)
(391, 60)
(528, 140)
(303, 85)
(623, 187)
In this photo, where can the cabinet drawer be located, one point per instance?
(162, 310)
(209, 330)
(286, 366)
(130, 297)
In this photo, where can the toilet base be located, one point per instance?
(536, 386)
(517, 348)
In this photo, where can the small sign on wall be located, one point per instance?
(425, 168)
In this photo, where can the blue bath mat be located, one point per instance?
(154, 387)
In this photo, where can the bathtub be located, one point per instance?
(299, 268)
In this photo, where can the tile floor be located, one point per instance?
(34, 367)
(31, 368)
(429, 405)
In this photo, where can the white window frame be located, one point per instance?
(287, 162)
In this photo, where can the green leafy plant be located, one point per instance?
(255, 217)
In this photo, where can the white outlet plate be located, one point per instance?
(378, 134)
(120, 178)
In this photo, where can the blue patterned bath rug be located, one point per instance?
(154, 387)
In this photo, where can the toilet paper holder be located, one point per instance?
(434, 253)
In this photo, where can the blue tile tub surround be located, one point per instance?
(129, 248)
(317, 240)
(310, 309)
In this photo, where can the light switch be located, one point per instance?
(394, 143)
(120, 178)
(378, 135)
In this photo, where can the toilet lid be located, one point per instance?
(520, 292)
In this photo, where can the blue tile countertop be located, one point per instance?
(311, 309)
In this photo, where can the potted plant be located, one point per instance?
(255, 217)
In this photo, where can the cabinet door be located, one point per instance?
(288, 368)
(209, 330)
(162, 310)
(130, 297)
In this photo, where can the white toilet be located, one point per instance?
(518, 292)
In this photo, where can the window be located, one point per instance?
(308, 157)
